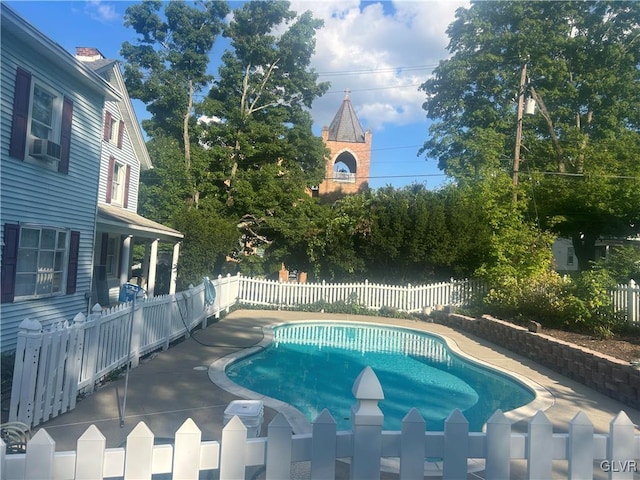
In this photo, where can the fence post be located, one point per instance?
(25, 371)
(92, 345)
(279, 448)
(456, 446)
(540, 447)
(580, 451)
(498, 446)
(620, 447)
(138, 323)
(41, 450)
(633, 291)
(234, 440)
(323, 446)
(412, 445)
(186, 456)
(73, 366)
(139, 453)
(90, 454)
(366, 421)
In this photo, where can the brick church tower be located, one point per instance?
(347, 169)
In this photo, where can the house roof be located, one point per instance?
(119, 220)
(110, 69)
(31, 36)
(345, 126)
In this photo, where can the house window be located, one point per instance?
(113, 130)
(41, 124)
(45, 114)
(570, 256)
(44, 127)
(111, 262)
(117, 187)
(41, 262)
(117, 183)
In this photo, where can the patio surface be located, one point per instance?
(171, 386)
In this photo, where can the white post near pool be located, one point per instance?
(366, 421)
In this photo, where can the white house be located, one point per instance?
(118, 226)
(51, 113)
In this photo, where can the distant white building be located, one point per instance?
(564, 256)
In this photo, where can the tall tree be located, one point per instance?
(581, 66)
(168, 64)
(262, 148)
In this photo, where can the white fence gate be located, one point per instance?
(366, 447)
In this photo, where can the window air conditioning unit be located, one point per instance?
(45, 149)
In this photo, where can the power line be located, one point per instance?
(377, 70)
(583, 175)
(621, 177)
(375, 88)
(395, 176)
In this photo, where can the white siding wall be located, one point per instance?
(124, 155)
(33, 194)
(561, 248)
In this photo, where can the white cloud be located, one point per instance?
(364, 49)
(101, 11)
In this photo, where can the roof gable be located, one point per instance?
(35, 39)
(110, 69)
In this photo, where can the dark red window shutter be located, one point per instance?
(65, 135)
(107, 126)
(120, 133)
(9, 261)
(72, 269)
(112, 162)
(125, 201)
(21, 96)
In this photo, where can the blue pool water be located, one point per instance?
(313, 366)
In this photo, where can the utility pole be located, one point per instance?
(516, 156)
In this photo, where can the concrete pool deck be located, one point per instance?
(171, 386)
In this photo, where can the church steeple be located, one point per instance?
(347, 168)
(345, 126)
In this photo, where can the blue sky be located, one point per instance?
(380, 51)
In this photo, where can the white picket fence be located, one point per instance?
(54, 364)
(410, 298)
(412, 451)
(626, 299)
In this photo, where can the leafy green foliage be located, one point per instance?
(165, 188)
(580, 151)
(622, 264)
(208, 239)
(169, 61)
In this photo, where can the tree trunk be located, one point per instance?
(562, 168)
(185, 130)
(584, 246)
(195, 195)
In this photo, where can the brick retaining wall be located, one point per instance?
(610, 376)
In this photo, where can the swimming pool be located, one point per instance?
(312, 365)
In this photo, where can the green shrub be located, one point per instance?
(581, 304)
(589, 307)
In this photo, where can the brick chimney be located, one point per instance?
(88, 54)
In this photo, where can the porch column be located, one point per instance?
(153, 263)
(125, 259)
(174, 268)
